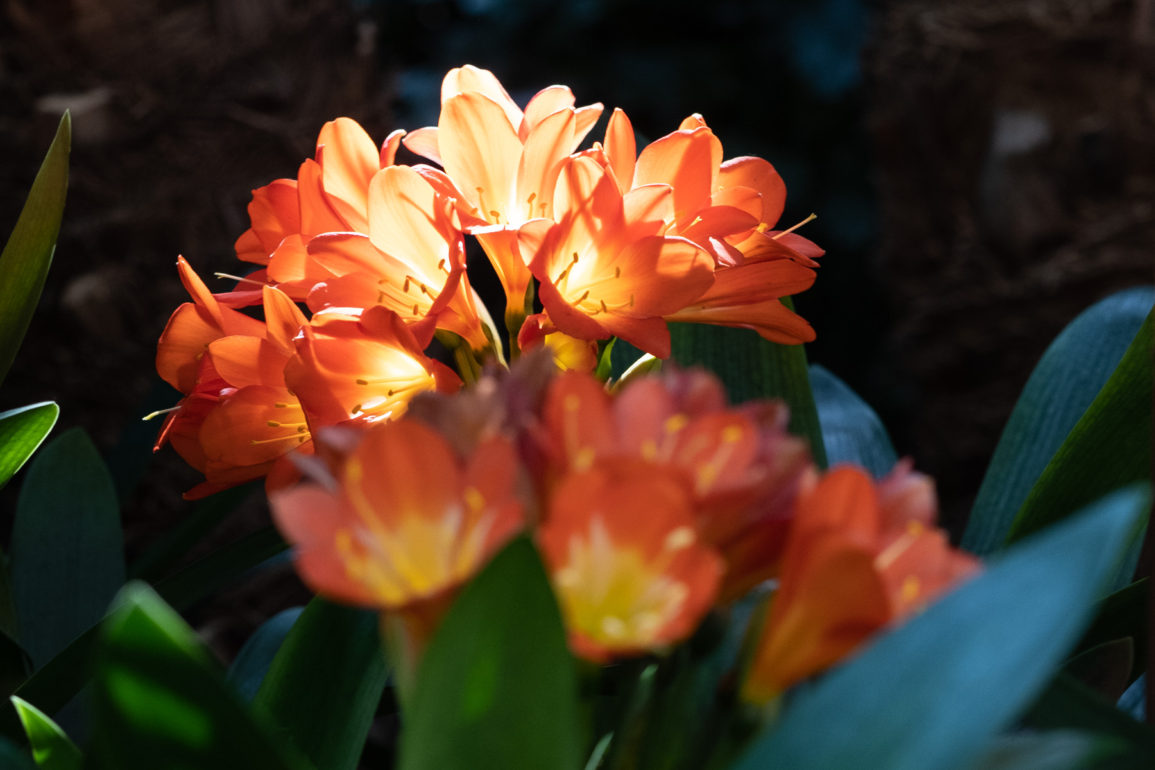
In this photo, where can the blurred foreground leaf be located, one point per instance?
(1062, 386)
(936, 690)
(51, 748)
(160, 699)
(851, 431)
(497, 687)
(67, 548)
(324, 684)
(21, 432)
(28, 252)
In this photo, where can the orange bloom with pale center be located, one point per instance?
(401, 522)
(626, 563)
(860, 556)
(739, 467)
(606, 268)
(505, 162)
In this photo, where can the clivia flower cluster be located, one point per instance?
(651, 505)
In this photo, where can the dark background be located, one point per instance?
(982, 171)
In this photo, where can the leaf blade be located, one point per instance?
(497, 687)
(67, 545)
(22, 430)
(28, 253)
(851, 431)
(1064, 383)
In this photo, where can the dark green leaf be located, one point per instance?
(28, 253)
(1063, 384)
(752, 367)
(851, 431)
(204, 516)
(1123, 614)
(21, 431)
(936, 690)
(67, 548)
(1069, 704)
(324, 684)
(161, 700)
(1110, 445)
(52, 686)
(497, 687)
(1105, 668)
(51, 748)
(252, 662)
(1049, 750)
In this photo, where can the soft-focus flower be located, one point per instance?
(401, 521)
(739, 467)
(625, 560)
(504, 162)
(859, 557)
(606, 269)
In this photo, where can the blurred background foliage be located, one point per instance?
(982, 171)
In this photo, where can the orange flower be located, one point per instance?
(859, 557)
(738, 466)
(605, 268)
(238, 420)
(729, 209)
(504, 162)
(364, 368)
(402, 521)
(629, 571)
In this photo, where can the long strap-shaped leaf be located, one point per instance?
(1064, 383)
(324, 684)
(1109, 447)
(28, 253)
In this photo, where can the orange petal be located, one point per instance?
(423, 142)
(480, 151)
(759, 175)
(274, 213)
(546, 148)
(253, 426)
(545, 103)
(467, 79)
(621, 148)
(349, 159)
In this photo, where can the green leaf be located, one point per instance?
(67, 548)
(851, 431)
(324, 684)
(1109, 447)
(252, 662)
(1121, 615)
(1105, 668)
(936, 690)
(752, 367)
(21, 431)
(160, 700)
(1049, 750)
(51, 748)
(497, 687)
(1062, 386)
(28, 253)
(53, 685)
(1069, 704)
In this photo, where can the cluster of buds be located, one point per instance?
(651, 505)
